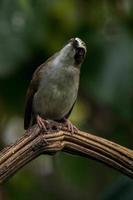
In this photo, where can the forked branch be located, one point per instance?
(34, 143)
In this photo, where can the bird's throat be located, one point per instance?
(65, 57)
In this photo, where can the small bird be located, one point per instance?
(54, 87)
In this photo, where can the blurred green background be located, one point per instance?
(30, 32)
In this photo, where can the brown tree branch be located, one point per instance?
(33, 143)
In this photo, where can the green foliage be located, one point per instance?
(121, 190)
(30, 32)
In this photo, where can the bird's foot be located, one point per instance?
(42, 123)
(70, 127)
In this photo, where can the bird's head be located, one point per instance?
(73, 53)
(79, 48)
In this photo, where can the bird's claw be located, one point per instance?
(42, 123)
(70, 127)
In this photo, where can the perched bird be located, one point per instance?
(54, 87)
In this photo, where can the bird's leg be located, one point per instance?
(70, 127)
(42, 123)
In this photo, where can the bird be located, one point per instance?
(53, 89)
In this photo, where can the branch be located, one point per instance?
(35, 142)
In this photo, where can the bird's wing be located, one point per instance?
(32, 90)
(67, 115)
(29, 98)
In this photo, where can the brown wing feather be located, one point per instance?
(31, 91)
(28, 109)
(68, 114)
(29, 99)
